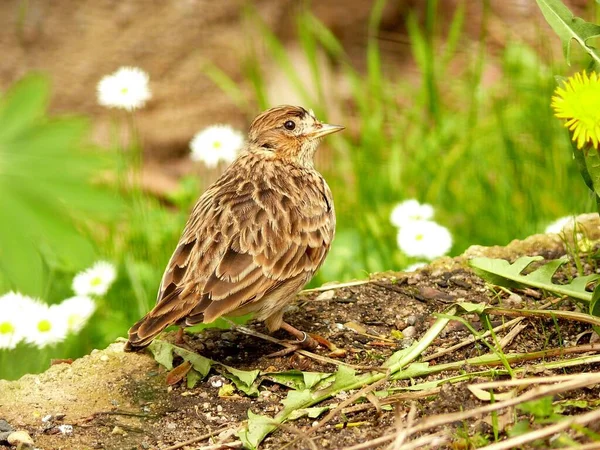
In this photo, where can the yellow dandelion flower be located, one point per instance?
(578, 102)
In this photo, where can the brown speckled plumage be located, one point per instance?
(255, 237)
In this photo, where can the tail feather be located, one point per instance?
(152, 324)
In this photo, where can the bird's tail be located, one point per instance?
(148, 327)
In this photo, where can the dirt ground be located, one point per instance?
(117, 400)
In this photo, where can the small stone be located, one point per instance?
(513, 301)
(47, 418)
(216, 381)
(409, 332)
(118, 430)
(5, 426)
(104, 358)
(228, 336)
(65, 429)
(19, 438)
(171, 425)
(219, 408)
(339, 326)
(411, 320)
(327, 295)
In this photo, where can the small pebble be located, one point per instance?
(118, 430)
(411, 320)
(171, 426)
(19, 438)
(47, 418)
(5, 426)
(513, 301)
(216, 381)
(339, 326)
(327, 295)
(104, 358)
(409, 332)
(228, 336)
(65, 429)
(219, 408)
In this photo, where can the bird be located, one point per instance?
(255, 237)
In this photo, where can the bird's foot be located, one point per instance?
(303, 341)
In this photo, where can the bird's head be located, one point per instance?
(289, 132)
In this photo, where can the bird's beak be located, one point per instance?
(324, 130)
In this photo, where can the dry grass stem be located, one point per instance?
(515, 442)
(360, 393)
(200, 438)
(511, 335)
(329, 287)
(393, 399)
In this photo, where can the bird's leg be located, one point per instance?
(179, 336)
(304, 340)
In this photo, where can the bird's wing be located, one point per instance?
(238, 245)
(274, 239)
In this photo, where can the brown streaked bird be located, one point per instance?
(255, 237)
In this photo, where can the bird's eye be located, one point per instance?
(290, 125)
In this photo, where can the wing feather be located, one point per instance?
(243, 241)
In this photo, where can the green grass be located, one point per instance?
(485, 151)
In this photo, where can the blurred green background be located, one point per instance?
(445, 102)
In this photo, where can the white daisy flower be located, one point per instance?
(77, 311)
(47, 325)
(216, 143)
(13, 320)
(127, 88)
(424, 239)
(96, 280)
(557, 226)
(415, 266)
(409, 211)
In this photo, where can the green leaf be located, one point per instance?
(345, 376)
(296, 379)
(24, 104)
(579, 157)
(162, 352)
(256, 429)
(46, 184)
(296, 399)
(540, 409)
(502, 273)
(192, 378)
(199, 362)
(311, 413)
(592, 163)
(595, 302)
(569, 27)
(312, 378)
(416, 369)
(476, 308)
(244, 380)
